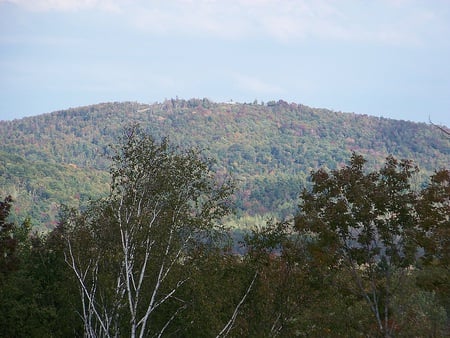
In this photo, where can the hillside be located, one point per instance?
(268, 148)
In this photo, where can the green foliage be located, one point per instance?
(370, 239)
(368, 223)
(8, 242)
(270, 149)
(365, 217)
(433, 208)
(37, 296)
(366, 243)
(131, 252)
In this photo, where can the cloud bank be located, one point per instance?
(396, 22)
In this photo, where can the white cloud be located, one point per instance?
(66, 5)
(395, 22)
(199, 18)
(388, 22)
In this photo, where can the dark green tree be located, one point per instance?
(433, 208)
(365, 223)
(8, 243)
(36, 291)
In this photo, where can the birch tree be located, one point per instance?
(130, 252)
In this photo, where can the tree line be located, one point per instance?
(269, 149)
(366, 254)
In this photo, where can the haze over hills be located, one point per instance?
(269, 149)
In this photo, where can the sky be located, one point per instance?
(388, 58)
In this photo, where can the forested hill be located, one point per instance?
(269, 149)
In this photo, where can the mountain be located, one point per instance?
(269, 149)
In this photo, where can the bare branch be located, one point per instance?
(444, 130)
(89, 294)
(226, 329)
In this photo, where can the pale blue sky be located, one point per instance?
(386, 58)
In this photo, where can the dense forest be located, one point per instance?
(365, 255)
(269, 149)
